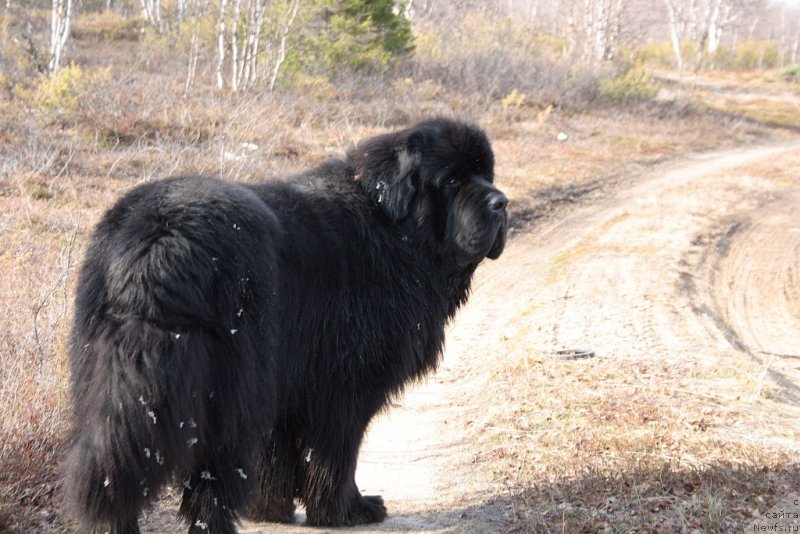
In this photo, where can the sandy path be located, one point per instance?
(691, 259)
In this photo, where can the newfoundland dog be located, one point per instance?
(239, 338)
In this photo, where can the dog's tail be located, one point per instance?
(139, 420)
(142, 366)
(169, 361)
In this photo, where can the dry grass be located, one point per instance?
(61, 169)
(765, 97)
(609, 446)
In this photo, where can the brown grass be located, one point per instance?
(764, 97)
(603, 445)
(646, 461)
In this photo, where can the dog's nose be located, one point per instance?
(497, 202)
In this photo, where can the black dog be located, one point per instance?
(239, 338)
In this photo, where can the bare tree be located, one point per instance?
(194, 52)
(717, 15)
(593, 28)
(677, 29)
(782, 26)
(152, 13)
(60, 23)
(193, 10)
(248, 66)
(180, 7)
(283, 28)
(614, 29)
(243, 44)
(223, 7)
(703, 22)
(237, 12)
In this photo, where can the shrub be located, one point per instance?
(791, 74)
(61, 90)
(748, 55)
(633, 84)
(364, 35)
(659, 54)
(469, 56)
(756, 55)
(514, 99)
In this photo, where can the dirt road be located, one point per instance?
(693, 258)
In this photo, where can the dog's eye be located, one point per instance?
(452, 182)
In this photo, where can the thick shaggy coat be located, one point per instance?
(240, 338)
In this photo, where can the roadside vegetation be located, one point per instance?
(140, 95)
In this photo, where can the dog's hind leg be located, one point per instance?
(216, 492)
(278, 474)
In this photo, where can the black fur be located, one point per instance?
(239, 339)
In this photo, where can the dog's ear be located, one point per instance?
(388, 166)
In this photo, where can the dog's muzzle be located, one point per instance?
(496, 203)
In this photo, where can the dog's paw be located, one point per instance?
(369, 509)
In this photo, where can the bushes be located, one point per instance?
(658, 54)
(348, 35)
(791, 74)
(64, 91)
(61, 91)
(747, 55)
(754, 55)
(521, 66)
(493, 60)
(633, 84)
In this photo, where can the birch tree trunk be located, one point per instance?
(193, 11)
(181, 14)
(244, 54)
(533, 11)
(223, 8)
(60, 22)
(570, 44)
(152, 13)
(615, 25)
(712, 32)
(700, 21)
(293, 5)
(599, 23)
(720, 17)
(237, 4)
(191, 67)
(248, 62)
(675, 32)
(588, 19)
(751, 30)
(602, 12)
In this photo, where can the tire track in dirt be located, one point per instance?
(647, 271)
(762, 271)
(753, 287)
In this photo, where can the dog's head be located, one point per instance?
(435, 181)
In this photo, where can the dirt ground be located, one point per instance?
(687, 261)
